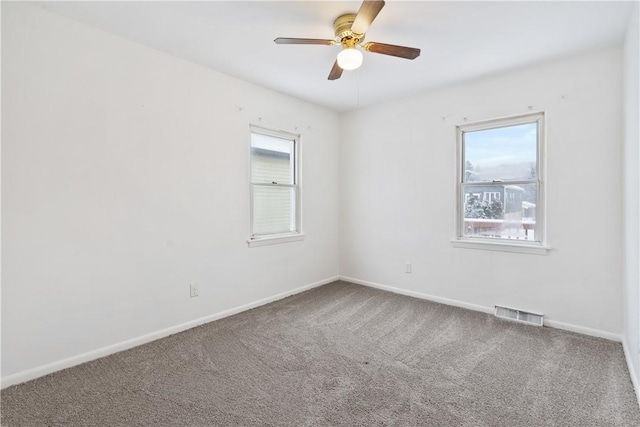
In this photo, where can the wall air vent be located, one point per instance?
(529, 318)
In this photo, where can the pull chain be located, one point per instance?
(358, 89)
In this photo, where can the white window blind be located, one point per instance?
(274, 186)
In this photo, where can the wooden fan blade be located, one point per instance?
(393, 50)
(287, 40)
(336, 71)
(365, 16)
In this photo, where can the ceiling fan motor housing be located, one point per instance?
(342, 28)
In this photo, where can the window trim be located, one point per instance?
(472, 242)
(297, 234)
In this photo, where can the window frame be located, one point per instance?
(538, 246)
(295, 235)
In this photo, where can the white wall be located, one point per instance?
(397, 194)
(125, 178)
(631, 193)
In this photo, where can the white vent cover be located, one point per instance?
(519, 315)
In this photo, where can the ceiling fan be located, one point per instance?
(349, 31)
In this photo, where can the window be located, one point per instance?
(500, 187)
(274, 187)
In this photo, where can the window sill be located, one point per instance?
(274, 240)
(502, 247)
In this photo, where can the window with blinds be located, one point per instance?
(274, 183)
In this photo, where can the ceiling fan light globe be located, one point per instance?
(349, 59)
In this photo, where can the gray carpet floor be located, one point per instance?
(342, 354)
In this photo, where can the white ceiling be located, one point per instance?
(459, 40)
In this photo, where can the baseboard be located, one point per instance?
(447, 301)
(490, 310)
(632, 371)
(40, 371)
(583, 330)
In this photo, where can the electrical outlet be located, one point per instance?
(193, 290)
(407, 267)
